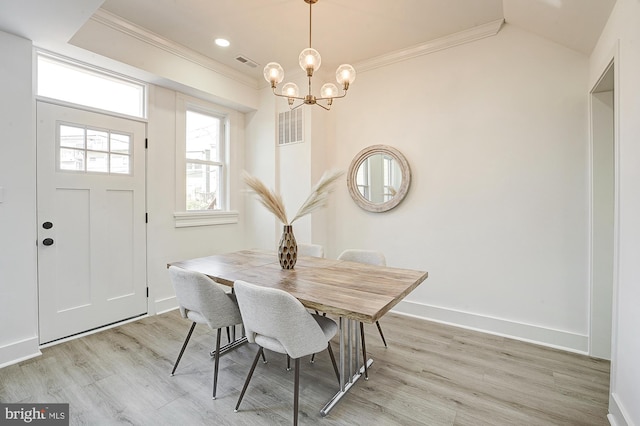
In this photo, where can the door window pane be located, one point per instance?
(97, 140)
(71, 159)
(72, 137)
(119, 164)
(97, 162)
(120, 143)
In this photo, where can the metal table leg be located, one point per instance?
(349, 359)
(231, 345)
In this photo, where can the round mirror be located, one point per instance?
(379, 178)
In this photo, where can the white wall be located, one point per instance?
(495, 132)
(621, 38)
(165, 242)
(290, 170)
(262, 230)
(18, 287)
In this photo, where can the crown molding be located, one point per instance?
(117, 23)
(456, 39)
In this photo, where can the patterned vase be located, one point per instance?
(287, 249)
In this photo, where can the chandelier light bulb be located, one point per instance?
(290, 90)
(345, 75)
(310, 60)
(273, 73)
(329, 90)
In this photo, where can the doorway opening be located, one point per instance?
(603, 213)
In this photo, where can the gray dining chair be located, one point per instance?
(277, 321)
(202, 301)
(314, 250)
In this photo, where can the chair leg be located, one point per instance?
(264, 359)
(228, 335)
(288, 363)
(296, 389)
(184, 346)
(381, 335)
(313, 358)
(364, 352)
(246, 383)
(215, 365)
(333, 361)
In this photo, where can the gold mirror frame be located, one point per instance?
(357, 161)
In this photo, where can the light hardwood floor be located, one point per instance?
(431, 374)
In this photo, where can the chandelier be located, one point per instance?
(310, 61)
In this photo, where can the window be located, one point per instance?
(204, 189)
(88, 150)
(204, 166)
(71, 82)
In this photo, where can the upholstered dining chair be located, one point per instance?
(315, 250)
(202, 301)
(277, 321)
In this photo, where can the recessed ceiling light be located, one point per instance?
(222, 42)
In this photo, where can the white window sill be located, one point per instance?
(205, 218)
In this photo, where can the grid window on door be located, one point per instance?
(204, 161)
(87, 150)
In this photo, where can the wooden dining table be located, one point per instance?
(354, 292)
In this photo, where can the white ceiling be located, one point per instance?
(344, 31)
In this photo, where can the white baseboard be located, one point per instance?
(166, 305)
(16, 352)
(564, 340)
(617, 416)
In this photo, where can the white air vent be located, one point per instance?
(290, 128)
(248, 62)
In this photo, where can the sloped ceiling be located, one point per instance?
(277, 30)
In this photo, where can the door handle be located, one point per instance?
(47, 241)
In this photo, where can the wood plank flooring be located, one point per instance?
(431, 374)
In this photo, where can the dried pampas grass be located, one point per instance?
(273, 202)
(268, 198)
(319, 194)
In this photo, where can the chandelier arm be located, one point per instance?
(322, 106)
(332, 97)
(291, 107)
(287, 96)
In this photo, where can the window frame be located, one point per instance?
(97, 72)
(87, 150)
(223, 215)
(222, 176)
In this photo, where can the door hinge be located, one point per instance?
(146, 143)
(146, 218)
(147, 291)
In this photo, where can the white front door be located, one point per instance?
(91, 220)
